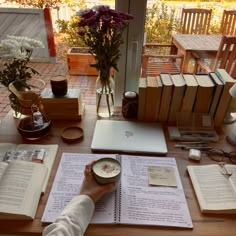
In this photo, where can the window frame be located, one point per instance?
(126, 79)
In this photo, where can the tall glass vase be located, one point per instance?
(105, 93)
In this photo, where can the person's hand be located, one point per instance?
(91, 188)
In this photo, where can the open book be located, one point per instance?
(11, 151)
(215, 187)
(134, 202)
(20, 188)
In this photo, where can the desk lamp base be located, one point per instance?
(231, 138)
(229, 118)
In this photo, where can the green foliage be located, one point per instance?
(215, 19)
(70, 31)
(80, 4)
(16, 70)
(161, 22)
(69, 27)
(36, 3)
(49, 3)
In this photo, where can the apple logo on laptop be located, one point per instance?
(129, 133)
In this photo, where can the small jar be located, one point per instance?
(130, 104)
(106, 170)
(59, 85)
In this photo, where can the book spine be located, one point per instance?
(118, 197)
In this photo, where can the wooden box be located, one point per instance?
(79, 60)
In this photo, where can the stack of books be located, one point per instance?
(162, 97)
(68, 107)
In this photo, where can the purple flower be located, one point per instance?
(101, 29)
(87, 13)
(81, 32)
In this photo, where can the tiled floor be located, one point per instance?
(47, 70)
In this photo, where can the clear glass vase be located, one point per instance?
(105, 94)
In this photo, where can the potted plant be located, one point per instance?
(77, 56)
(15, 53)
(79, 60)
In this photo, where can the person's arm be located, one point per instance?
(74, 219)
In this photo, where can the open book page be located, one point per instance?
(67, 183)
(3, 166)
(214, 190)
(151, 205)
(48, 160)
(20, 187)
(232, 178)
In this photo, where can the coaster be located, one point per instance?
(72, 134)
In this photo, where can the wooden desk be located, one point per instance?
(207, 44)
(214, 225)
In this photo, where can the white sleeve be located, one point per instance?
(74, 219)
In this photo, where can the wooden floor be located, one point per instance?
(48, 70)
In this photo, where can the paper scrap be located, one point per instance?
(162, 176)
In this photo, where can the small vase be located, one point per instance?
(105, 94)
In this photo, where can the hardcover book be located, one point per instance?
(221, 109)
(204, 93)
(152, 98)
(177, 97)
(217, 93)
(72, 96)
(190, 93)
(166, 97)
(142, 97)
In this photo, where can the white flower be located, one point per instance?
(18, 47)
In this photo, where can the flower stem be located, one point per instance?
(112, 98)
(99, 98)
(108, 105)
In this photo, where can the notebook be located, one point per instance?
(128, 137)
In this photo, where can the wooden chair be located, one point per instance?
(160, 58)
(225, 58)
(195, 21)
(228, 22)
(157, 58)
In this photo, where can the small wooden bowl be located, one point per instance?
(72, 134)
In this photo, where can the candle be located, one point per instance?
(130, 104)
(59, 85)
(106, 170)
(130, 94)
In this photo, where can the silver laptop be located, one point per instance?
(128, 137)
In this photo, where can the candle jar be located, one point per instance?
(59, 85)
(106, 170)
(130, 104)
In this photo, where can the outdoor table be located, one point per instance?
(204, 44)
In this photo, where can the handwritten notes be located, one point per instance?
(134, 201)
